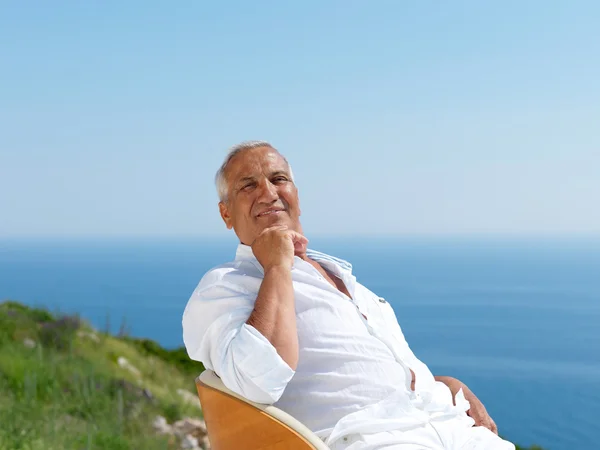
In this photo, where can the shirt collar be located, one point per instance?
(244, 253)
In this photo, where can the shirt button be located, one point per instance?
(382, 300)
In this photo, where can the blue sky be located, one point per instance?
(399, 117)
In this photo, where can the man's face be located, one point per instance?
(261, 194)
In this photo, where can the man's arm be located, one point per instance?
(274, 314)
(477, 411)
(250, 341)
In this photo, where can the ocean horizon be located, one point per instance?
(517, 318)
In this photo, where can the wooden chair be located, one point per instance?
(234, 423)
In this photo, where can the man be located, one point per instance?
(287, 325)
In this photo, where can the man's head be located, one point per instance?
(256, 191)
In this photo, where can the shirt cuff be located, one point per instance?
(267, 372)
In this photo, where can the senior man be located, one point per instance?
(287, 325)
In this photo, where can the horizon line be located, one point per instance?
(231, 236)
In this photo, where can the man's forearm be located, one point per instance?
(454, 385)
(274, 314)
(476, 409)
(445, 380)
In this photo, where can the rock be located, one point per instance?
(123, 363)
(191, 433)
(188, 397)
(190, 443)
(147, 394)
(188, 425)
(91, 336)
(161, 426)
(29, 343)
(135, 398)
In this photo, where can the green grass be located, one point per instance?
(69, 393)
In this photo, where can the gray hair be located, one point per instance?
(220, 180)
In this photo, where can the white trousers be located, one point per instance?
(452, 434)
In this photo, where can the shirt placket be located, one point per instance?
(386, 340)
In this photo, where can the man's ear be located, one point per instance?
(225, 215)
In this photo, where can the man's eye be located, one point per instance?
(280, 179)
(247, 186)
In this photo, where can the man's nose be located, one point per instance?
(267, 192)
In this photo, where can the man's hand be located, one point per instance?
(276, 246)
(477, 411)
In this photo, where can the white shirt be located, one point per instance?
(353, 374)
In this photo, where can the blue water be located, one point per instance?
(516, 320)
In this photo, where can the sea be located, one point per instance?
(515, 318)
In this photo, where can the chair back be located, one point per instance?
(234, 423)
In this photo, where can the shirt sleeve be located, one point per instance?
(215, 333)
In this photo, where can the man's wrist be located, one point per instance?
(279, 269)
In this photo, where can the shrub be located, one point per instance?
(37, 315)
(60, 333)
(177, 357)
(171, 412)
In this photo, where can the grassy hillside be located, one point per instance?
(62, 387)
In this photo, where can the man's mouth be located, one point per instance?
(269, 212)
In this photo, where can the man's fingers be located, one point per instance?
(273, 228)
(299, 247)
(298, 238)
(494, 428)
(488, 423)
(479, 418)
(474, 414)
(300, 242)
